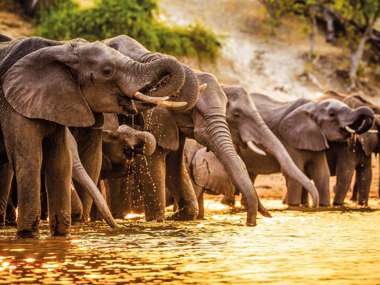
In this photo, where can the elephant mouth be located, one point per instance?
(131, 151)
(152, 87)
(360, 126)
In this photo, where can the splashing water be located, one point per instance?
(291, 248)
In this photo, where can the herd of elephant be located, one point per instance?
(90, 130)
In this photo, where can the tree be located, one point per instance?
(363, 14)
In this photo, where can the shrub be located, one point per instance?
(136, 18)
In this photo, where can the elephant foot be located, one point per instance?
(185, 214)
(27, 234)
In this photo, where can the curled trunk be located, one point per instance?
(190, 89)
(149, 77)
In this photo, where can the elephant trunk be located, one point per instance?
(221, 144)
(272, 144)
(136, 139)
(162, 77)
(81, 176)
(190, 90)
(359, 121)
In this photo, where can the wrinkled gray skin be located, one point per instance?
(305, 129)
(118, 162)
(64, 84)
(204, 120)
(246, 126)
(355, 155)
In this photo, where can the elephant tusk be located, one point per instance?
(149, 99)
(172, 104)
(348, 129)
(373, 131)
(255, 148)
(202, 87)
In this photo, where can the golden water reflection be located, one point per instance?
(293, 247)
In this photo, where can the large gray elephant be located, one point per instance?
(354, 155)
(306, 129)
(204, 120)
(47, 85)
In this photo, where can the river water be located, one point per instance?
(293, 247)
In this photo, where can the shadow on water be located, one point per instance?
(294, 247)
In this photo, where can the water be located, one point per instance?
(293, 247)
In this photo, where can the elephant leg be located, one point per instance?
(76, 206)
(363, 181)
(10, 218)
(319, 172)
(116, 203)
(199, 192)
(180, 185)
(58, 182)
(294, 192)
(152, 182)
(23, 142)
(355, 190)
(344, 171)
(6, 176)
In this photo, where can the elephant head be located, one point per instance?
(120, 145)
(189, 90)
(244, 118)
(67, 82)
(370, 140)
(311, 125)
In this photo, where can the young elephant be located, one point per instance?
(120, 148)
(47, 85)
(354, 155)
(303, 126)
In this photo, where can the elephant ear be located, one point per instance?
(298, 129)
(42, 85)
(162, 125)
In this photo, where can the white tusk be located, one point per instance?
(172, 104)
(202, 87)
(373, 131)
(348, 129)
(255, 148)
(149, 99)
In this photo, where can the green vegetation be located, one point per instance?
(136, 18)
(358, 18)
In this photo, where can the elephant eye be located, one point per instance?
(107, 71)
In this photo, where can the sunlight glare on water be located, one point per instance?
(291, 248)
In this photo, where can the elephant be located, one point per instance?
(304, 127)
(354, 155)
(120, 149)
(205, 121)
(48, 86)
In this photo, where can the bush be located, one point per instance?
(136, 18)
